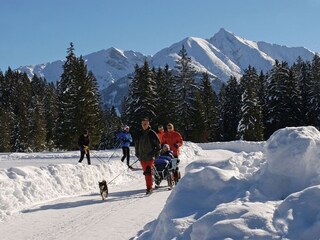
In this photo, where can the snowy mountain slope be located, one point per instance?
(284, 53)
(107, 66)
(241, 51)
(221, 56)
(205, 58)
(260, 55)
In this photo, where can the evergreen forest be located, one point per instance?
(37, 115)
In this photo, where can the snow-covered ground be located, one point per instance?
(234, 190)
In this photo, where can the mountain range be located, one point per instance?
(221, 56)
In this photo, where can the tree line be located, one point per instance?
(251, 108)
(37, 115)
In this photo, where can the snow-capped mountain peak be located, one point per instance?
(223, 55)
(205, 58)
(241, 51)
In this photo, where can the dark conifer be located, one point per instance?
(250, 126)
(210, 108)
(230, 104)
(185, 90)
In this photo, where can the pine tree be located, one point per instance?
(20, 102)
(88, 108)
(36, 115)
(262, 86)
(250, 126)
(165, 88)
(199, 132)
(141, 100)
(5, 116)
(51, 114)
(283, 99)
(293, 100)
(230, 104)
(112, 124)
(210, 108)
(66, 101)
(302, 72)
(185, 90)
(315, 92)
(79, 103)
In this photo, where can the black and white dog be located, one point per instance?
(103, 189)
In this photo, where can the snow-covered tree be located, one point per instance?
(185, 90)
(302, 72)
(166, 99)
(250, 126)
(283, 98)
(79, 103)
(315, 92)
(6, 115)
(36, 116)
(210, 107)
(230, 104)
(141, 99)
(198, 128)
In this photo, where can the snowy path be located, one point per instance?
(125, 213)
(88, 217)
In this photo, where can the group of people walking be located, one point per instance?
(148, 145)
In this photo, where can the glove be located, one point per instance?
(176, 145)
(86, 149)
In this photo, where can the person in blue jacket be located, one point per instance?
(125, 138)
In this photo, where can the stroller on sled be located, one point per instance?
(166, 168)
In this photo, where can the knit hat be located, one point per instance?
(166, 146)
(145, 119)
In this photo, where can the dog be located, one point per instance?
(103, 189)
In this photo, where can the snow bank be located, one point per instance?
(235, 146)
(293, 156)
(22, 187)
(248, 196)
(34, 180)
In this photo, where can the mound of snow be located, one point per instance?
(293, 161)
(297, 217)
(25, 186)
(242, 197)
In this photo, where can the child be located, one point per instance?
(165, 155)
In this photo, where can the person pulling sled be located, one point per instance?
(147, 147)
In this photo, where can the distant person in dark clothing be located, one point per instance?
(147, 146)
(84, 142)
(125, 138)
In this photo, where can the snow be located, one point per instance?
(222, 56)
(230, 190)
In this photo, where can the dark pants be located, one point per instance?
(126, 154)
(82, 153)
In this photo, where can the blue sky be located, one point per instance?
(39, 31)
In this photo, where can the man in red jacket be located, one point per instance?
(173, 138)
